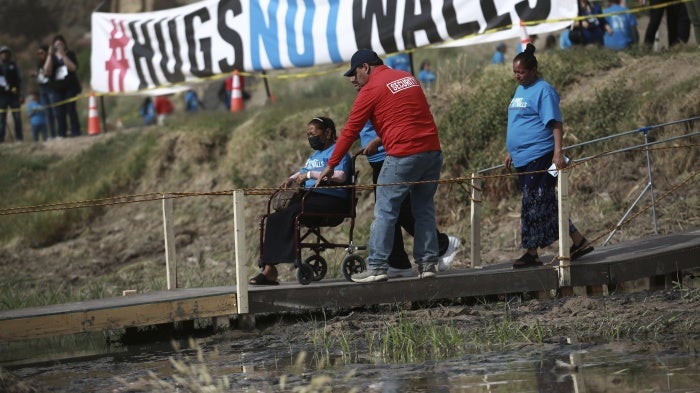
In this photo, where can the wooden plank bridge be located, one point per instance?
(657, 261)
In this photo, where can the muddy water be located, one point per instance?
(262, 364)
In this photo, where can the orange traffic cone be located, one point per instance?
(93, 117)
(236, 93)
(524, 37)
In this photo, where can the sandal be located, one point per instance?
(260, 279)
(527, 260)
(577, 251)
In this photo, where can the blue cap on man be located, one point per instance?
(361, 57)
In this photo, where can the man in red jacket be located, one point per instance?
(394, 102)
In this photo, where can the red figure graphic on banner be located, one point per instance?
(117, 60)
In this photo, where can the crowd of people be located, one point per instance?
(52, 107)
(616, 27)
(55, 95)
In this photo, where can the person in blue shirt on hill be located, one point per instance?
(279, 239)
(147, 111)
(426, 76)
(399, 61)
(499, 57)
(191, 101)
(623, 24)
(534, 142)
(37, 117)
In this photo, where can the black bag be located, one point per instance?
(281, 199)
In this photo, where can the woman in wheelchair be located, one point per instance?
(279, 240)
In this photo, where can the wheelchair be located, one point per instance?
(307, 235)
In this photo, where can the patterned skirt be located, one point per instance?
(539, 214)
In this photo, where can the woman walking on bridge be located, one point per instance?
(534, 143)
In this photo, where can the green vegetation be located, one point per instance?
(102, 171)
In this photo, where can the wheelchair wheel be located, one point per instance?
(305, 273)
(352, 264)
(319, 266)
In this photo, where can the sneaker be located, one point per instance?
(398, 273)
(446, 259)
(427, 271)
(527, 260)
(370, 275)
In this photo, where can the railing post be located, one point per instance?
(476, 220)
(169, 234)
(563, 202)
(240, 251)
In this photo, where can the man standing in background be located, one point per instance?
(11, 96)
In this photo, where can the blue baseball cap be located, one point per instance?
(361, 57)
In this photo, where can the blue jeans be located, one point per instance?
(10, 103)
(38, 130)
(45, 99)
(414, 168)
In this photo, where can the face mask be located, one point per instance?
(316, 142)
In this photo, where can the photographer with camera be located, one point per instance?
(60, 67)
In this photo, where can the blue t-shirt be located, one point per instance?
(317, 162)
(367, 134)
(622, 25)
(36, 113)
(191, 101)
(498, 58)
(400, 61)
(148, 113)
(529, 113)
(426, 77)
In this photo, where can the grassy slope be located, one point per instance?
(88, 253)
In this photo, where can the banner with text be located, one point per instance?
(132, 52)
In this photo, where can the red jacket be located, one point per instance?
(395, 103)
(163, 105)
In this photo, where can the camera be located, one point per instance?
(56, 47)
